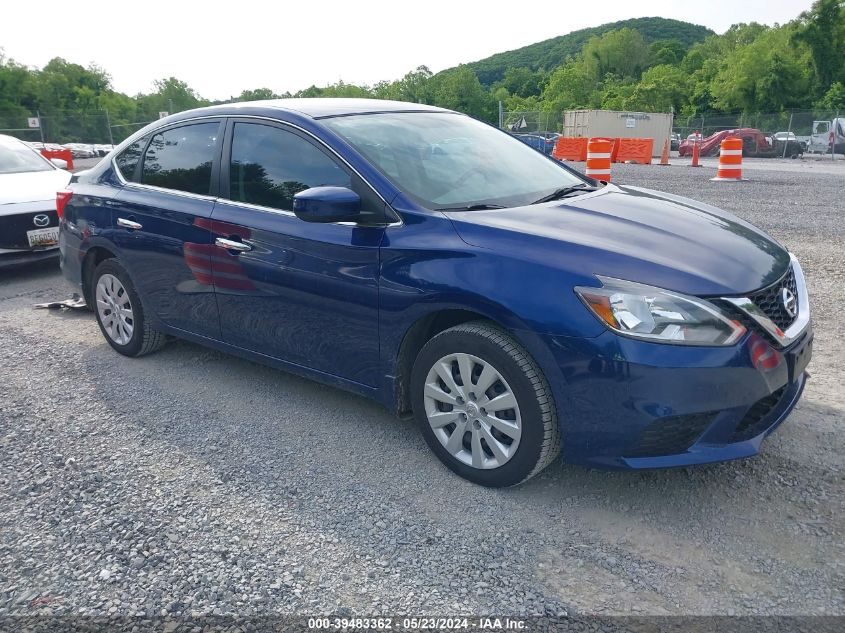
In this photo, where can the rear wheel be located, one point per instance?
(483, 406)
(119, 312)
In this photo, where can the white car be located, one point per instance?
(29, 227)
(81, 150)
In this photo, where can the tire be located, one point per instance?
(459, 430)
(129, 334)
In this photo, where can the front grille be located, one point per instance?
(769, 300)
(13, 228)
(756, 420)
(668, 436)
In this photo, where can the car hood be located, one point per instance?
(32, 186)
(635, 234)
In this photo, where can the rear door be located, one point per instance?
(161, 220)
(302, 292)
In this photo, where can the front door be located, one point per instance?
(303, 292)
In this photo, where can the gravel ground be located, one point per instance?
(192, 482)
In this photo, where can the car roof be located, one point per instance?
(318, 108)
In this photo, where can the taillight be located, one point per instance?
(62, 198)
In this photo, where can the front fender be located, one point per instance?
(426, 268)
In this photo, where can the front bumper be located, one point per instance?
(22, 258)
(631, 404)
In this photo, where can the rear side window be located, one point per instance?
(270, 165)
(127, 160)
(180, 158)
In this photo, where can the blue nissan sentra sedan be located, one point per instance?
(433, 263)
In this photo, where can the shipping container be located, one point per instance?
(619, 124)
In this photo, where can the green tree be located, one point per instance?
(259, 94)
(521, 82)
(340, 89)
(833, 99)
(570, 87)
(459, 89)
(822, 30)
(663, 88)
(667, 52)
(171, 95)
(765, 74)
(416, 87)
(621, 52)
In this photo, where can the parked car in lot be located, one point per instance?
(29, 228)
(754, 144)
(674, 142)
(781, 138)
(541, 142)
(435, 264)
(103, 149)
(81, 150)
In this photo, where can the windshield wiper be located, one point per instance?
(557, 194)
(472, 207)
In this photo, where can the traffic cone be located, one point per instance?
(664, 157)
(730, 160)
(598, 159)
(695, 154)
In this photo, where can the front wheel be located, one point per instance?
(483, 406)
(119, 312)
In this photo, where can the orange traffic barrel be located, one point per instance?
(730, 160)
(598, 159)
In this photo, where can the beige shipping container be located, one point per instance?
(619, 124)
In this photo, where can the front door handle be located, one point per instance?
(128, 224)
(232, 245)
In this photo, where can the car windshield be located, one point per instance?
(15, 158)
(451, 161)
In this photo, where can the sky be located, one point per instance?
(222, 48)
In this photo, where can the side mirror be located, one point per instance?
(327, 204)
(58, 162)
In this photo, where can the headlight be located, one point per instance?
(657, 315)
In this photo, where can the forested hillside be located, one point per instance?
(549, 54)
(647, 64)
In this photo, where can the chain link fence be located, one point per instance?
(529, 122)
(66, 127)
(814, 128)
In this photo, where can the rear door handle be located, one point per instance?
(232, 245)
(128, 224)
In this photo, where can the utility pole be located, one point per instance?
(501, 116)
(40, 126)
(788, 132)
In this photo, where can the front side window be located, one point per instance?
(445, 160)
(127, 160)
(270, 165)
(180, 158)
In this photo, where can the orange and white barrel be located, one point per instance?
(730, 160)
(598, 159)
